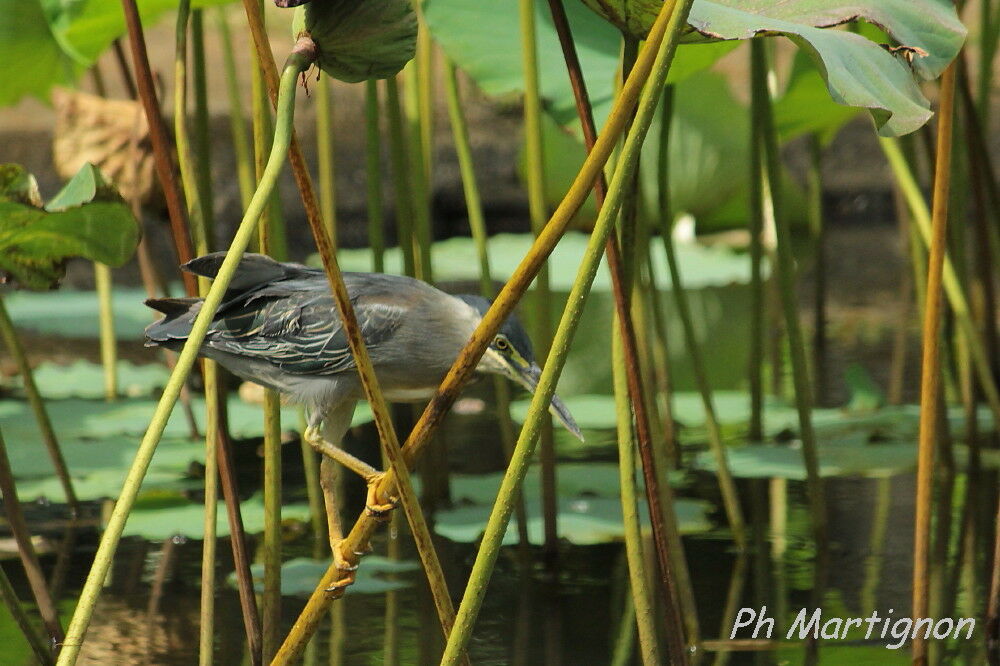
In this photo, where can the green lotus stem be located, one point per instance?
(727, 485)
(952, 285)
(325, 158)
(271, 601)
(297, 62)
(14, 347)
(817, 232)
(625, 642)
(400, 177)
(930, 388)
(534, 166)
(786, 283)
(418, 160)
(497, 525)
(271, 598)
(188, 168)
(477, 225)
(106, 317)
(733, 603)
(645, 612)
(237, 122)
(206, 626)
(778, 505)
(373, 177)
(35, 640)
(425, 90)
(757, 303)
(202, 142)
(273, 219)
(25, 549)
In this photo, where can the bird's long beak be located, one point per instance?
(527, 376)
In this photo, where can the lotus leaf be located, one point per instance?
(86, 219)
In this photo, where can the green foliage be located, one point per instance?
(49, 42)
(857, 71)
(161, 515)
(86, 219)
(360, 39)
(82, 379)
(483, 38)
(589, 507)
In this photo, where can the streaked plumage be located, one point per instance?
(278, 326)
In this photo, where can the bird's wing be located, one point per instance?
(300, 331)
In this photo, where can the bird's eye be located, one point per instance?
(501, 343)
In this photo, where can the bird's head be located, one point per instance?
(510, 355)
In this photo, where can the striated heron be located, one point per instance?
(279, 327)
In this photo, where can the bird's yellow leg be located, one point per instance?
(377, 507)
(329, 481)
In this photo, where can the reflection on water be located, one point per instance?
(149, 611)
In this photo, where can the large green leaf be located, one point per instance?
(32, 58)
(483, 38)
(858, 72)
(301, 576)
(86, 219)
(360, 39)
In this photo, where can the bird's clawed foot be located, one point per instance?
(377, 506)
(347, 567)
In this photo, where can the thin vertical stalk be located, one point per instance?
(373, 177)
(534, 161)
(14, 347)
(161, 143)
(931, 363)
(402, 185)
(477, 225)
(237, 122)
(758, 70)
(189, 169)
(786, 283)
(25, 549)
(35, 640)
(206, 635)
(106, 318)
(952, 285)
(271, 600)
(267, 234)
(727, 486)
(817, 233)
(202, 142)
(670, 21)
(502, 306)
(418, 157)
(300, 58)
(653, 457)
(644, 607)
(325, 159)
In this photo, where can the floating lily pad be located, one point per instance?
(83, 379)
(847, 457)
(585, 520)
(301, 576)
(159, 516)
(589, 506)
(73, 313)
(456, 259)
(733, 412)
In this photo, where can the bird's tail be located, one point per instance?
(253, 272)
(172, 330)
